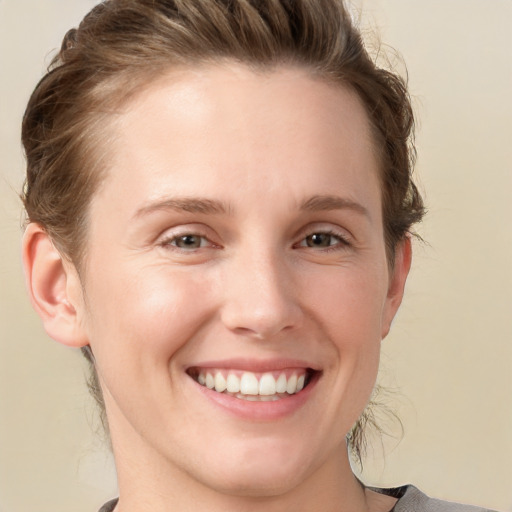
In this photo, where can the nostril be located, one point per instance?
(261, 332)
(258, 323)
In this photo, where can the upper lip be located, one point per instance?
(257, 365)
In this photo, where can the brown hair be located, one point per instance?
(121, 45)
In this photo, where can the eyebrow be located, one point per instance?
(207, 206)
(331, 202)
(185, 204)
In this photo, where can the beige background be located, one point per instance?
(449, 356)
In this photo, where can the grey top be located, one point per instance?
(410, 499)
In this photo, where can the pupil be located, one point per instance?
(319, 240)
(189, 241)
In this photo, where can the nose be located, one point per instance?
(260, 299)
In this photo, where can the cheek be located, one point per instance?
(347, 305)
(137, 326)
(349, 302)
(350, 308)
(143, 317)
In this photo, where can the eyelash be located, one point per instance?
(342, 241)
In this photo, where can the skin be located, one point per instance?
(261, 145)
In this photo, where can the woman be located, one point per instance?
(220, 203)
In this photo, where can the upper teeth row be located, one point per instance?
(248, 383)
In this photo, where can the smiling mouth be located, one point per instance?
(252, 386)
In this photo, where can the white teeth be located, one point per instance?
(249, 384)
(233, 383)
(220, 382)
(300, 383)
(281, 384)
(249, 387)
(267, 385)
(291, 387)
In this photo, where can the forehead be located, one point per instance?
(209, 128)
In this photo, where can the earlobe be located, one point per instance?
(398, 278)
(53, 287)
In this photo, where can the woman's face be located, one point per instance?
(237, 241)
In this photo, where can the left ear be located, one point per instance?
(397, 279)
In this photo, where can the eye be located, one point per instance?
(321, 240)
(187, 242)
(324, 240)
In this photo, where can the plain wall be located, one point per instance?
(449, 355)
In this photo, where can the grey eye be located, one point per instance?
(188, 241)
(321, 240)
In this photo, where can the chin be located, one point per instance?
(263, 471)
(259, 483)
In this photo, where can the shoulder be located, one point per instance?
(411, 499)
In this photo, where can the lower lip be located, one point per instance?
(260, 411)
